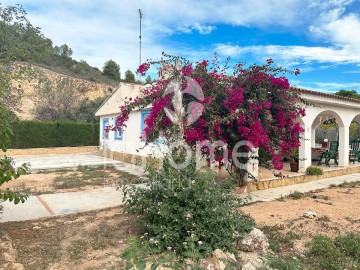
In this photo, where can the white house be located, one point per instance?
(128, 141)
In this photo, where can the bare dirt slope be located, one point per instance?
(28, 84)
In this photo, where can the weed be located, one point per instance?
(103, 236)
(346, 185)
(287, 263)
(296, 195)
(278, 240)
(324, 218)
(90, 176)
(352, 220)
(77, 248)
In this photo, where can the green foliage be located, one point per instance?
(354, 131)
(338, 254)
(296, 195)
(63, 51)
(87, 109)
(20, 41)
(148, 79)
(288, 263)
(112, 70)
(277, 239)
(34, 134)
(314, 171)
(129, 76)
(9, 172)
(15, 35)
(139, 251)
(348, 93)
(188, 211)
(349, 244)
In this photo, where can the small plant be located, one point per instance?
(77, 248)
(346, 184)
(278, 240)
(296, 195)
(314, 171)
(287, 263)
(324, 218)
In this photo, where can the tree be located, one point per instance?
(56, 100)
(254, 105)
(112, 70)
(148, 80)
(129, 76)
(348, 93)
(87, 109)
(64, 51)
(15, 30)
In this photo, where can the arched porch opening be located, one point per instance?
(354, 140)
(328, 131)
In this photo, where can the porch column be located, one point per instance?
(305, 148)
(313, 133)
(344, 145)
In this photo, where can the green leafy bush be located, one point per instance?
(338, 254)
(187, 211)
(41, 134)
(314, 171)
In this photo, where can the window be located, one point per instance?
(119, 133)
(105, 134)
(144, 115)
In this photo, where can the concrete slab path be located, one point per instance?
(48, 205)
(61, 161)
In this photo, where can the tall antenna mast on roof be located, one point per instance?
(141, 14)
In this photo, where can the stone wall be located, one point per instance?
(260, 185)
(280, 182)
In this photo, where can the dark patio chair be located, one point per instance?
(355, 151)
(332, 153)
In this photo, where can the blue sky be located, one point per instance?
(321, 37)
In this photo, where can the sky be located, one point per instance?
(320, 37)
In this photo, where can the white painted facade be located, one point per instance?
(344, 110)
(129, 140)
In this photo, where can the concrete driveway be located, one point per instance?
(58, 161)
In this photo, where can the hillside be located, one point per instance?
(85, 88)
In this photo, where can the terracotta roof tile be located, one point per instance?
(317, 93)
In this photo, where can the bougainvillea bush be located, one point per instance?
(253, 104)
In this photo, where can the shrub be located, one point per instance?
(41, 134)
(349, 244)
(314, 171)
(187, 211)
(325, 253)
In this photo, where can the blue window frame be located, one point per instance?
(144, 115)
(118, 133)
(105, 134)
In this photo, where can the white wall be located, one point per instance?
(131, 142)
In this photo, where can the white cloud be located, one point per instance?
(98, 31)
(202, 29)
(293, 53)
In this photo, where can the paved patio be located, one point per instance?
(61, 161)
